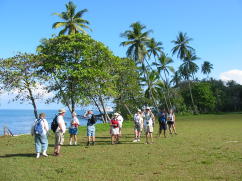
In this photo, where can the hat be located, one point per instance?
(147, 108)
(61, 111)
(116, 114)
(139, 110)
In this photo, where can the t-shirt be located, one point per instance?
(148, 119)
(138, 118)
(88, 117)
(170, 117)
(114, 123)
(75, 122)
(60, 121)
(120, 119)
(162, 117)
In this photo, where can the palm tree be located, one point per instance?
(187, 69)
(72, 21)
(206, 68)
(152, 80)
(182, 45)
(176, 78)
(136, 40)
(154, 48)
(164, 66)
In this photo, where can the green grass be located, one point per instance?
(207, 147)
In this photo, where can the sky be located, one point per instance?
(214, 25)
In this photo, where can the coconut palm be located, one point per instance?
(206, 68)
(151, 80)
(154, 48)
(182, 45)
(136, 40)
(72, 21)
(176, 78)
(187, 69)
(164, 67)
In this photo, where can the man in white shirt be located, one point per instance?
(59, 134)
(120, 122)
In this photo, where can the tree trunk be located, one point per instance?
(33, 102)
(106, 117)
(98, 107)
(125, 105)
(168, 91)
(190, 89)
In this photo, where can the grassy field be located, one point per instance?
(207, 147)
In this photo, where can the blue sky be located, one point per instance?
(215, 26)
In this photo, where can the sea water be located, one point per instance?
(21, 121)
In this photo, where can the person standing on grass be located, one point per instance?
(162, 118)
(74, 128)
(171, 121)
(90, 127)
(120, 122)
(149, 122)
(138, 122)
(39, 131)
(60, 131)
(114, 124)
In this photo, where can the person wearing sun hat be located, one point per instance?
(60, 131)
(138, 121)
(149, 122)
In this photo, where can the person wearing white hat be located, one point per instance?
(60, 131)
(138, 121)
(120, 122)
(73, 130)
(149, 122)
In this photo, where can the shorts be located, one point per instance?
(114, 131)
(73, 131)
(91, 130)
(149, 129)
(137, 127)
(59, 138)
(170, 122)
(163, 126)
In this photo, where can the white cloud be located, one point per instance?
(235, 75)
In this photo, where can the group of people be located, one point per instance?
(146, 120)
(142, 120)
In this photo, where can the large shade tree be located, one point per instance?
(80, 69)
(72, 21)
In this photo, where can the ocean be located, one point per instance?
(21, 121)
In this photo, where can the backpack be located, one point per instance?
(54, 124)
(93, 119)
(38, 128)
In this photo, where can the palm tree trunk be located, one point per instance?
(190, 89)
(168, 91)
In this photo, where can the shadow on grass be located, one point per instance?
(19, 155)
